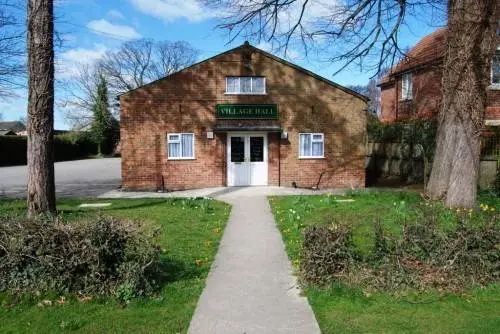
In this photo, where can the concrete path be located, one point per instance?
(250, 288)
(222, 192)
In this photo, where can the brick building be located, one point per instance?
(412, 89)
(242, 118)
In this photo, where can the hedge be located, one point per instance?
(66, 147)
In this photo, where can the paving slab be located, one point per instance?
(251, 287)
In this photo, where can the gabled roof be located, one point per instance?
(429, 49)
(267, 54)
(14, 126)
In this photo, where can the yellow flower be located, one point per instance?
(216, 230)
(492, 209)
(199, 263)
(208, 243)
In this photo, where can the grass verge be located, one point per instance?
(340, 309)
(190, 231)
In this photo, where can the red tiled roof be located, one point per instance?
(428, 49)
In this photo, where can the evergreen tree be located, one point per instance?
(105, 129)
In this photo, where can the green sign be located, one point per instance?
(247, 111)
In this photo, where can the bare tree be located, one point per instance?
(40, 127)
(365, 33)
(81, 90)
(372, 92)
(134, 64)
(12, 53)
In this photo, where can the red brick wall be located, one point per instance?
(388, 103)
(493, 109)
(185, 102)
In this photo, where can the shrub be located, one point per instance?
(99, 257)
(67, 146)
(428, 255)
(327, 253)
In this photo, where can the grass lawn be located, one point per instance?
(339, 309)
(190, 234)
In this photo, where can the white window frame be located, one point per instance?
(239, 92)
(495, 85)
(312, 134)
(406, 86)
(179, 141)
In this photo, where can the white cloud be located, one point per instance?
(104, 27)
(171, 10)
(116, 14)
(68, 62)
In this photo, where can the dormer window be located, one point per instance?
(406, 86)
(495, 69)
(246, 85)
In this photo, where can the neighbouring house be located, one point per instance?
(412, 88)
(242, 118)
(17, 127)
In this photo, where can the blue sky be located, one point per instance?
(90, 28)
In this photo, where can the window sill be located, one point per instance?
(406, 100)
(311, 158)
(247, 94)
(494, 87)
(180, 159)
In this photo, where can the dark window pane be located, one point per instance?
(495, 71)
(256, 149)
(237, 149)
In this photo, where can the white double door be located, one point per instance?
(247, 158)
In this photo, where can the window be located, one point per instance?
(246, 85)
(311, 145)
(180, 146)
(406, 86)
(495, 69)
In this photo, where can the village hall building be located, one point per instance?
(242, 118)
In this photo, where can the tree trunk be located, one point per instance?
(471, 44)
(40, 127)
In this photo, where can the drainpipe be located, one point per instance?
(279, 160)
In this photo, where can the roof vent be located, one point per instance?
(246, 43)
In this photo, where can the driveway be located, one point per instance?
(92, 177)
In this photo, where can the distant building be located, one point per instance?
(16, 127)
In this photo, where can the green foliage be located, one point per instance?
(413, 132)
(105, 129)
(95, 257)
(68, 146)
